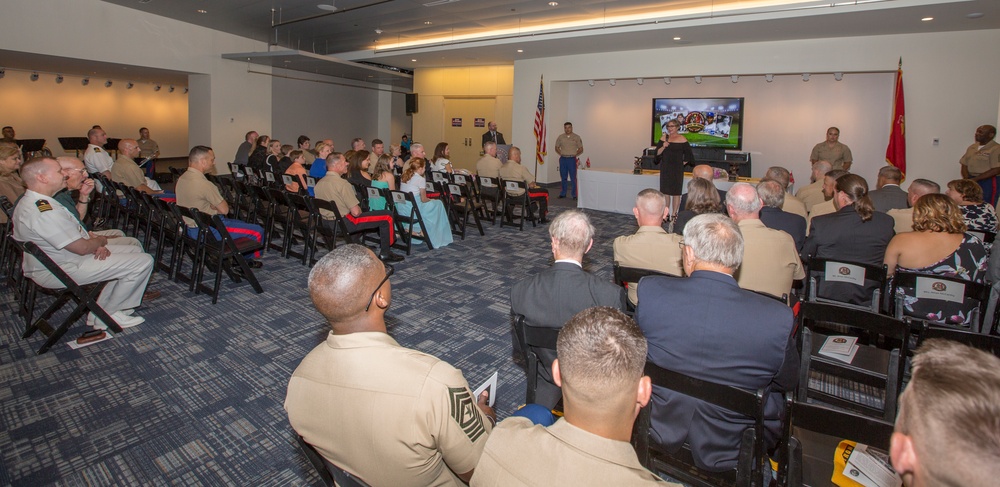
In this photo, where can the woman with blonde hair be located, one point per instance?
(436, 225)
(11, 185)
(382, 178)
(939, 246)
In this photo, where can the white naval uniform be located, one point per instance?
(43, 220)
(97, 159)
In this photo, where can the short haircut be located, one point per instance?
(5, 127)
(573, 230)
(416, 146)
(835, 174)
(247, 136)
(124, 143)
(651, 202)
(950, 410)
(936, 212)
(356, 140)
(568, 123)
(377, 142)
(822, 167)
(488, 144)
(333, 158)
(743, 198)
(716, 239)
(512, 149)
(925, 186)
(198, 152)
(320, 146)
(142, 128)
(834, 128)
(302, 139)
(339, 282)
(771, 193)
(891, 173)
(601, 350)
(295, 154)
(969, 189)
(286, 148)
(778, 174)
(92, 132)
(31, 169)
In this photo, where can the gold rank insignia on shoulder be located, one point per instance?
(97, 149)
(43, 205)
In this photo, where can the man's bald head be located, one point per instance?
(341, 283)
(43, 175)
(650, 207)
(743, 201)
(703, 171)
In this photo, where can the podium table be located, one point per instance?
(615, 190)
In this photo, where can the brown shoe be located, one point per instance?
(150, 295)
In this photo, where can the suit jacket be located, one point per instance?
(488, 137)
(550, 298)
(842, 235)
(789, 223)
(707, 327)
(890, 197)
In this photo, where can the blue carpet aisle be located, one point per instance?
(194, 395)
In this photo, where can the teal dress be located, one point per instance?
(436, 225)
(378, 203)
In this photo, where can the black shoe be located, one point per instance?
(254, 264)
(391, 257)
(562, 196)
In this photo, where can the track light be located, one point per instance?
(697, 80)
(590, 82)
(838, 76)
(769, 77)
(639, 81)
(34, 76)
(157, 87)
(735, 78)
(85, 81)
(3, 72)
(666, 80)
(129, 85)
(805, 76)
(59, 78)
(186, 90)
(612, 81)
(108, 83)
(171, 89)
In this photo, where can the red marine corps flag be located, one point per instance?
(540, 148)
(895, 153)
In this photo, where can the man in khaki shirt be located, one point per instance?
(770, 259)
(601, 355)
(826, 207)
(127, 172)
(386, 414)
(832, 150)
(651, 247)
(812, 193)
(981, 162)
(512, 170)
(569, 146)
(489, 165)
(904, 216)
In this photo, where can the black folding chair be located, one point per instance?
(513, 201)
(986, 343)
(533, 339)
(843, 276)
(461, 205)
(630, 276)
(329, 473)
(409, 219)
(85, 297)
(974, 294)
(489, 191)
(225, 253)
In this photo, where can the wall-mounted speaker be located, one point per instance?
(411, 103)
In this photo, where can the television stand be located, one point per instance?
(735, 162)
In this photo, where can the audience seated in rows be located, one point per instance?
(440, 161)
(600, 358)
(784, 178)
(333, 187)
(812, 193)
(318, 168)
(512, 170)
(701, 198)
(946, 432)
(489, 166)
(903, 217)
(386, 414)
(551, 297)
(86, 257)
(651, 247)
(772, 195)
(888, 195)
(829, 189)
(938, 246)
(706, 327)
(770, 259)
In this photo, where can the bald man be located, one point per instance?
(651, 247)
(386, 414)
(127, 172)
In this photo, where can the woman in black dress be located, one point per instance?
(672, 153)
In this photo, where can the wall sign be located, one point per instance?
(456, 122)
(480, 122)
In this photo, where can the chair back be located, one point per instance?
(984, 342)
(680, 465)
(969, 298)
(532, 340)
(857, 278)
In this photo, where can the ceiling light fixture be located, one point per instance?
(34, 76)
(927, 19)
(171, 89)
(108, 83)
(666, 80)
(157, 87)
(838, 76)
(805, 76)
(590, 82)
(769, 77)
(520, 50)
(735, 78)
(428, 22)
(186, 90)
(697, 80)
(974, 15)
(639, 81)
(59, 78)
(85, 81)
(378, 31)
(3, 72)
(202, 11)
(612, 81)
(677, 38)
(414, 60)
(328, 7)
(553, 4)
(129, 85)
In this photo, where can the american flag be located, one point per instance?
(540, 148)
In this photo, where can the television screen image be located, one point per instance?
(704, 122)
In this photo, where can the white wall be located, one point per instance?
(950, 90)
(323, 111)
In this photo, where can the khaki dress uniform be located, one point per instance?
(390, 415)
(836, 155)
(649, 248)
(770, 259)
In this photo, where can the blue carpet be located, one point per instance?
(194, 395)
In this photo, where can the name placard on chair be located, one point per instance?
(512, 186)
(311, 181)
(459, 178)
(430, 187)
(399, 197)
(841, 272)
(455, 189)
(373, 193)
(269, 177)
(930, 288)
(287, 179)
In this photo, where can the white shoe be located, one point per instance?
(123, 320)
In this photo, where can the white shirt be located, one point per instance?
(414, 185)
(97, 159)
(46, 222)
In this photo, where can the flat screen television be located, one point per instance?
(705, 122)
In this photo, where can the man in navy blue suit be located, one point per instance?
(707, 327)
(773, 196)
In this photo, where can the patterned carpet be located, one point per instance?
(194, 395)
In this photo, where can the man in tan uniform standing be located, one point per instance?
(601, 354)
(651, 247)
(770, 260)
(569, 146)
(981, 162)
(832, 150)
(387, 414)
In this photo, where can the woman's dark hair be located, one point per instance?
(354, 163)
(856, 189)
(703, 197)
(263, 141)
(439, 151)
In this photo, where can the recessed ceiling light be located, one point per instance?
(414, 60)
(974, 15)
(324, 6)
(553, 4)
(927, 19)
(677, 38)
(202, 11)
(520, 50)
(428, 22)
(378, 31)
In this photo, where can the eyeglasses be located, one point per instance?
(72, 170)
(388, 272)
(681, 244)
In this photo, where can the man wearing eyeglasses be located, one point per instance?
(386, 414)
